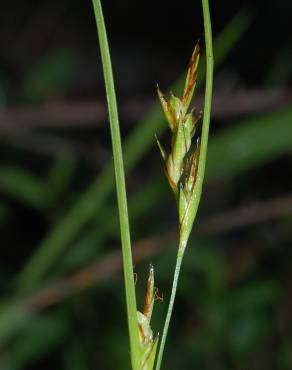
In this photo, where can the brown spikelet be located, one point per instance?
(191, 76)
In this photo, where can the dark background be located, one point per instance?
(62, 303)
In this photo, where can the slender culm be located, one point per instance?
(120, 187)
(185, 167)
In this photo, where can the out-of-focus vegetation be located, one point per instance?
(62, 301)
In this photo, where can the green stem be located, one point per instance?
(170, 309)
(120, 187)
(208, 97)
(201, 166)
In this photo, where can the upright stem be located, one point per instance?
(201, 166)
(208, 92)
(120, 187)
(169, 310)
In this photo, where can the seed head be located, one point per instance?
(181, 162)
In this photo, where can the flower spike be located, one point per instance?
(191, 77)
(182, 162)
(148, 345)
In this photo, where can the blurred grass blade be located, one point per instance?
(32, 345)
(54, 72)
(12, 318)
(88, 247)
(25, 187)
(94, 197)
(60, 175)
(249, 143)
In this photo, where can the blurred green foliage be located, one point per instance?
(53, 73)
(234, 302)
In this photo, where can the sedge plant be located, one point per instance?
(185, 164)
(184, 168)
